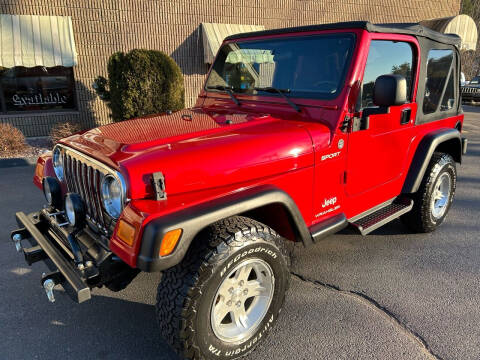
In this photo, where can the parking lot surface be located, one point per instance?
(389, 295)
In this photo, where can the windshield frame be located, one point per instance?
(318, 96)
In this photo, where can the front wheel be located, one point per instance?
(224, 297)
(435, 195)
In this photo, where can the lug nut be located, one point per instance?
(245, 292)
(229, 303)
(238, 303)
(88, 263)
(241, 283)
(80, 267)
(230, 290)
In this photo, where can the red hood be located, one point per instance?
(196, 150)
(111, 143)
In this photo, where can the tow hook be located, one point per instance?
(49, 281)
(17, 239)
(48, 285)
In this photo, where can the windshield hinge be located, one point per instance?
(345, 123)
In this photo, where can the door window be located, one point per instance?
(386, 57)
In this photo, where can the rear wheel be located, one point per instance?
(226, 294)
(433, 199)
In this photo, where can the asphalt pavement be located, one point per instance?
(389, 295)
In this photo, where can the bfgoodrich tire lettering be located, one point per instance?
(423, 217)
(188, 291)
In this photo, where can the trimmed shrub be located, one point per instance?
(12, 140)
(141, 82)
(62, 130)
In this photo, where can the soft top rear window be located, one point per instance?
(439, 71)
(312, 66)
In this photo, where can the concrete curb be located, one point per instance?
(17, 162)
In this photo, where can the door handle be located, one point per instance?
(405, 116)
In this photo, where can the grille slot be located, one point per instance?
(467, 90)
(84, 177)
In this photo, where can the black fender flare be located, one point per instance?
(423, 154)
(194, 219)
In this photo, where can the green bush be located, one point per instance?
(141, 82)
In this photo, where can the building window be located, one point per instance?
(439, 69)
(386, 57)
(37, 89)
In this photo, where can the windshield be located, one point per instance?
(305, 66)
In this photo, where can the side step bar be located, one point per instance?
(380, 217)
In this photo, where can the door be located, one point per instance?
(377, 152)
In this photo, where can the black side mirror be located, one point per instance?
(390, 90)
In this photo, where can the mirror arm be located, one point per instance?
(363, 123)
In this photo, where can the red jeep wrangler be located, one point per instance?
(296, 134)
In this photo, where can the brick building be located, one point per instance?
(99, 28)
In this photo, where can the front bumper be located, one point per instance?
(49, 243)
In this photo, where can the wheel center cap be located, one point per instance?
(236, 293)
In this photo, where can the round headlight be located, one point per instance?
(52, 191)
(75, 210)
(58, 163)
(112, 196)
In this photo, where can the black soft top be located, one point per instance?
(394, 28)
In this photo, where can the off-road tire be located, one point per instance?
(187, 291)
(420, 219)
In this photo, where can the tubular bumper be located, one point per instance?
(44, 247)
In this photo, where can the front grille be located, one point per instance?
(84, 176)
(470, 90)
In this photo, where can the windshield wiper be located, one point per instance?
(227, 89)
(282, 92)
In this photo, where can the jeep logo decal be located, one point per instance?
(329, 202)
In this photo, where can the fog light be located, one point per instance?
(169, 241)
(75, 210)
(126, 232)
(52, 191)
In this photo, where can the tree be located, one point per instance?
(141, 82)
(471, 59)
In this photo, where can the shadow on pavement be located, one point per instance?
(103, 328)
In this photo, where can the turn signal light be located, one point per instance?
(169, 241)
(126, 232)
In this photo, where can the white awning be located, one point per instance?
(213, 35)
(31, 40)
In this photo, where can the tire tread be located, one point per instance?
(418, 219)
(178, 290)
